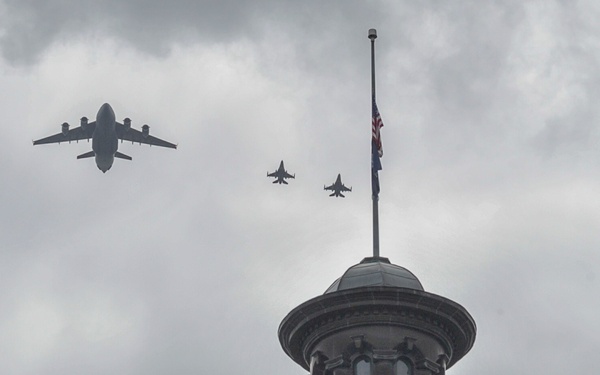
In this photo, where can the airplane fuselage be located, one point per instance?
(280, 180)
(105, 142)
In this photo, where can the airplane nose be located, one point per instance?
(105, 109)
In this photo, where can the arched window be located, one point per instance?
(362, 366)
(403, 367)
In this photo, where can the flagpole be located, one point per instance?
(372, 37)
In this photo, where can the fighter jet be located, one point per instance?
(280, 174)
(105, 133)
(338, 187)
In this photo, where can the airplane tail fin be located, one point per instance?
(122, 156)
(86, 155)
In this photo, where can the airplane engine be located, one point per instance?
(83, 123)
(65, 128)
(145, 131)
(127, 123)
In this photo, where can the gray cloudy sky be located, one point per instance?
(186, 261)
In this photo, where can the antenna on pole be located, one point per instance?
(374, 168)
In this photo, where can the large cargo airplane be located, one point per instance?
(105, 133)
(280, 175)
(338, 187)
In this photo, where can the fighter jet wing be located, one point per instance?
(74, 134)
(344, 188)
(287, 175)
(330, 187)
(136, 136)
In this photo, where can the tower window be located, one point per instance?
(403, 368)
(362, 367)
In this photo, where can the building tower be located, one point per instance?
(377, 320)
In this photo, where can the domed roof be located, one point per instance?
(376, 271)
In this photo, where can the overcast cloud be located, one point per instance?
(186, 261)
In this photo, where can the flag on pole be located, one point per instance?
(376, 149)
(377, 124)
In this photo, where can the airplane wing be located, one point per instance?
(287, 175)
(344, 188)
(274, 174)
(330, 187)
(136, 136)
(74, 134)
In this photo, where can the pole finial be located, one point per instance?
(372, 34)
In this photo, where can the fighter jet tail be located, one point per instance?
(86, 155)
(122, 156)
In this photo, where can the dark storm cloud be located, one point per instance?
(31, 26)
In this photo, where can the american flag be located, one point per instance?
(376, 150)
(376, 125)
